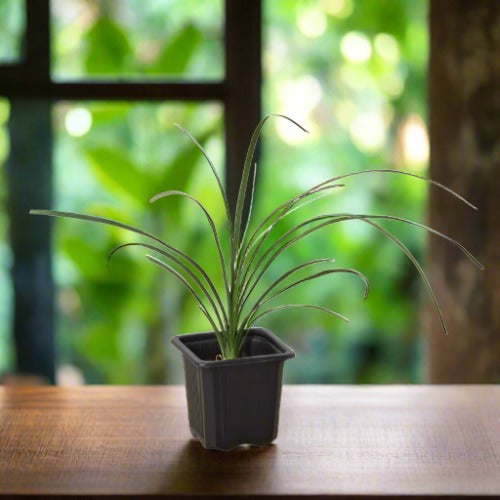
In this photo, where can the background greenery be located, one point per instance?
(352, 72)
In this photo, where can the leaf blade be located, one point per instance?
(307, 306)
(166, 194)
(185, 268)
(246, 171)
(181, 278)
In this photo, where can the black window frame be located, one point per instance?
(28, 83)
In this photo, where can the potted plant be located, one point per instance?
(233, 374)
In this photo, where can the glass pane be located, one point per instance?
(5, 255)
(110, 159)
(158, 39)
(12, 23)
(355, 77)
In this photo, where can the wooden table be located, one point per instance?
(333, 440)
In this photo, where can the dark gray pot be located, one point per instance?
(236, 401)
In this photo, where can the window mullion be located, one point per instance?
(243, 81)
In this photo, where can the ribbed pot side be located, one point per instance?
(233, 402)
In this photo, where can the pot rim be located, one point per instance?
(181, 342)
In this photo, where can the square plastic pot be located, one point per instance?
(236, 401)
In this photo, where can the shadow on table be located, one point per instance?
(246, 469)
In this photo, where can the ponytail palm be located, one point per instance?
(231, 312)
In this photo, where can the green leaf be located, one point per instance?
(111, 222)
(167, 194)
(108, 48)
(307, 306)
(198, 144)
(115, 171)
(186, 269)
(188, 285)
(101, 345)
(335, 218)
(263, 300)
(259, 236)
(85, 256)
(238, 215)
(179, 171)
(177, 52)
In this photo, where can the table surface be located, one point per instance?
(336, 440)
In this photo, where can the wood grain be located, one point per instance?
(464, 107)
(344, 440)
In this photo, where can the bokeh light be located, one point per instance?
(415, 143)
(355, 47)
(298, 100)
(78, 121)
(387, 47)
(312, 22)
(392, 84)
(368, 132)
(337, 8)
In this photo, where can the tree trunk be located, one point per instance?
(465, 155)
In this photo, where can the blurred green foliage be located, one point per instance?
(115, 323)
(352, 72)
(5, 255)
(119, 38)
(12, 21)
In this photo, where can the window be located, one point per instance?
(44, 88)
(107, 79)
